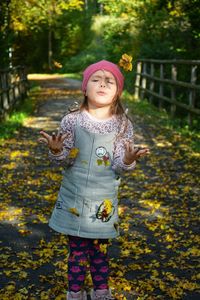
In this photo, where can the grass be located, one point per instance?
(151, 114)
(15, 120)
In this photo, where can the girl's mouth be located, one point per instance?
(101, 93)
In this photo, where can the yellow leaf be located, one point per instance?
(57, 64)
(74, 211)
(10, 287)
(23, 275)
(8, 273)
(24, 231)
(99, 162)
(126, 62)
(103, 248)
(73, 153)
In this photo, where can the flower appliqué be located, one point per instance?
(105, 211)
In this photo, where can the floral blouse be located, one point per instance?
(121, 125)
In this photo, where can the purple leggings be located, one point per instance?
(83, 250)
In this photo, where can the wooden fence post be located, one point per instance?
(148, 79)
(192, 93)
(173, 90)
(152, 84)
(161, 86)
(137, 80)
(144, 80)
(13, 87)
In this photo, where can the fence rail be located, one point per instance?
(170, 82)
(13, 89)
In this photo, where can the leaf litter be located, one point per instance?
(157, 253)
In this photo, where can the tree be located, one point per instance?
(33, 15)
(5, 33)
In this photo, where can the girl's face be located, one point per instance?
(101, 89)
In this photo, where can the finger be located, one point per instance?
(53, 136)
(131, 146)
(142, 152)
(45, 135)
(127, 146)
(59, 136)
(43, 140)
(137, 149)
(64, 136)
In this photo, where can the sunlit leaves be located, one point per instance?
(126, 62)
(32, 14)
(157, 253)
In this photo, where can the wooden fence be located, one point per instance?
(13, 89)
(173, 84)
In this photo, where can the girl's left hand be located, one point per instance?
(131, 154)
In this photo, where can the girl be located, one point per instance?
(94, 144)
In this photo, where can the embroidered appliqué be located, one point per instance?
(101, 151)
(103, 156)
(105, 211)
(59, 204)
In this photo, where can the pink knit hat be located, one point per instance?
(107, 66)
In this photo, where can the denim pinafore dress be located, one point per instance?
(87, 204)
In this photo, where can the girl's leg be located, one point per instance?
(77, 263)
(99, 264)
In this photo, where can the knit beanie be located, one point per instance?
(107, 66)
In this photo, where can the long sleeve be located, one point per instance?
(128, 135)
(123, 129)
(67, 125)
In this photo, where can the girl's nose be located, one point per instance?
(102, 83)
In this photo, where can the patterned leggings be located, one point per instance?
(82, 249)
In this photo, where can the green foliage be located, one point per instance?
(29, 24)
(85, 31)
(16, 119)
(6, 36)
(162, 29)
(32, 14)
(151, 114)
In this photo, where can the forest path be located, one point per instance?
(156, 255)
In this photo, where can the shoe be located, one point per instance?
(101, 295)
(81, 295)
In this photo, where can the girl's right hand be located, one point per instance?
(54, 142)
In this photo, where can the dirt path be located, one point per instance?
(156, 254)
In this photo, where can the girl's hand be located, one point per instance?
(131, 154)
(54, 142)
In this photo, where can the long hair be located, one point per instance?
(116, 109)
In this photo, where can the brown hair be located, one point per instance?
(116, 109)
